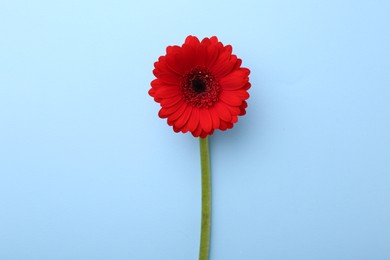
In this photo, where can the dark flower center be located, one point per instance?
(198, 85)
(199, 88)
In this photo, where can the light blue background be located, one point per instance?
(88, 170)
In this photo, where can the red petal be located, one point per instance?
(241, 93)
(193, 121)
(162, 66)
(189, 52)
(169, 78)
(229, 98)
(203, 134)
(228, 48)
(168, 102)
(177, 130)
(182, 62)
(235, 80)
(198, 131)
(223, 125)
(233, 111)
(179, 112)
(214, 39)
(212, 55)
(206, 41)
(222, 59)
(167, 111)
(152, 92)
(201, 55)
(170, 59)
(156, 83)
(205, 120)
(242, 108)
(214, 117)
(226, 68)
(242, 112)
(167, 92)
(184, 118)
(222, 111)
(156, 72)
(192, 40)
(238, 64)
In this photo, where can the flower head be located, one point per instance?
(200, 86)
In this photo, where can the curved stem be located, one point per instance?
(206, 199)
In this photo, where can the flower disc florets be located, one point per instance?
(200, 89)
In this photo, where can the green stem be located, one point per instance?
(206, 199)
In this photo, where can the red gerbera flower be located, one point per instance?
(200, 86)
